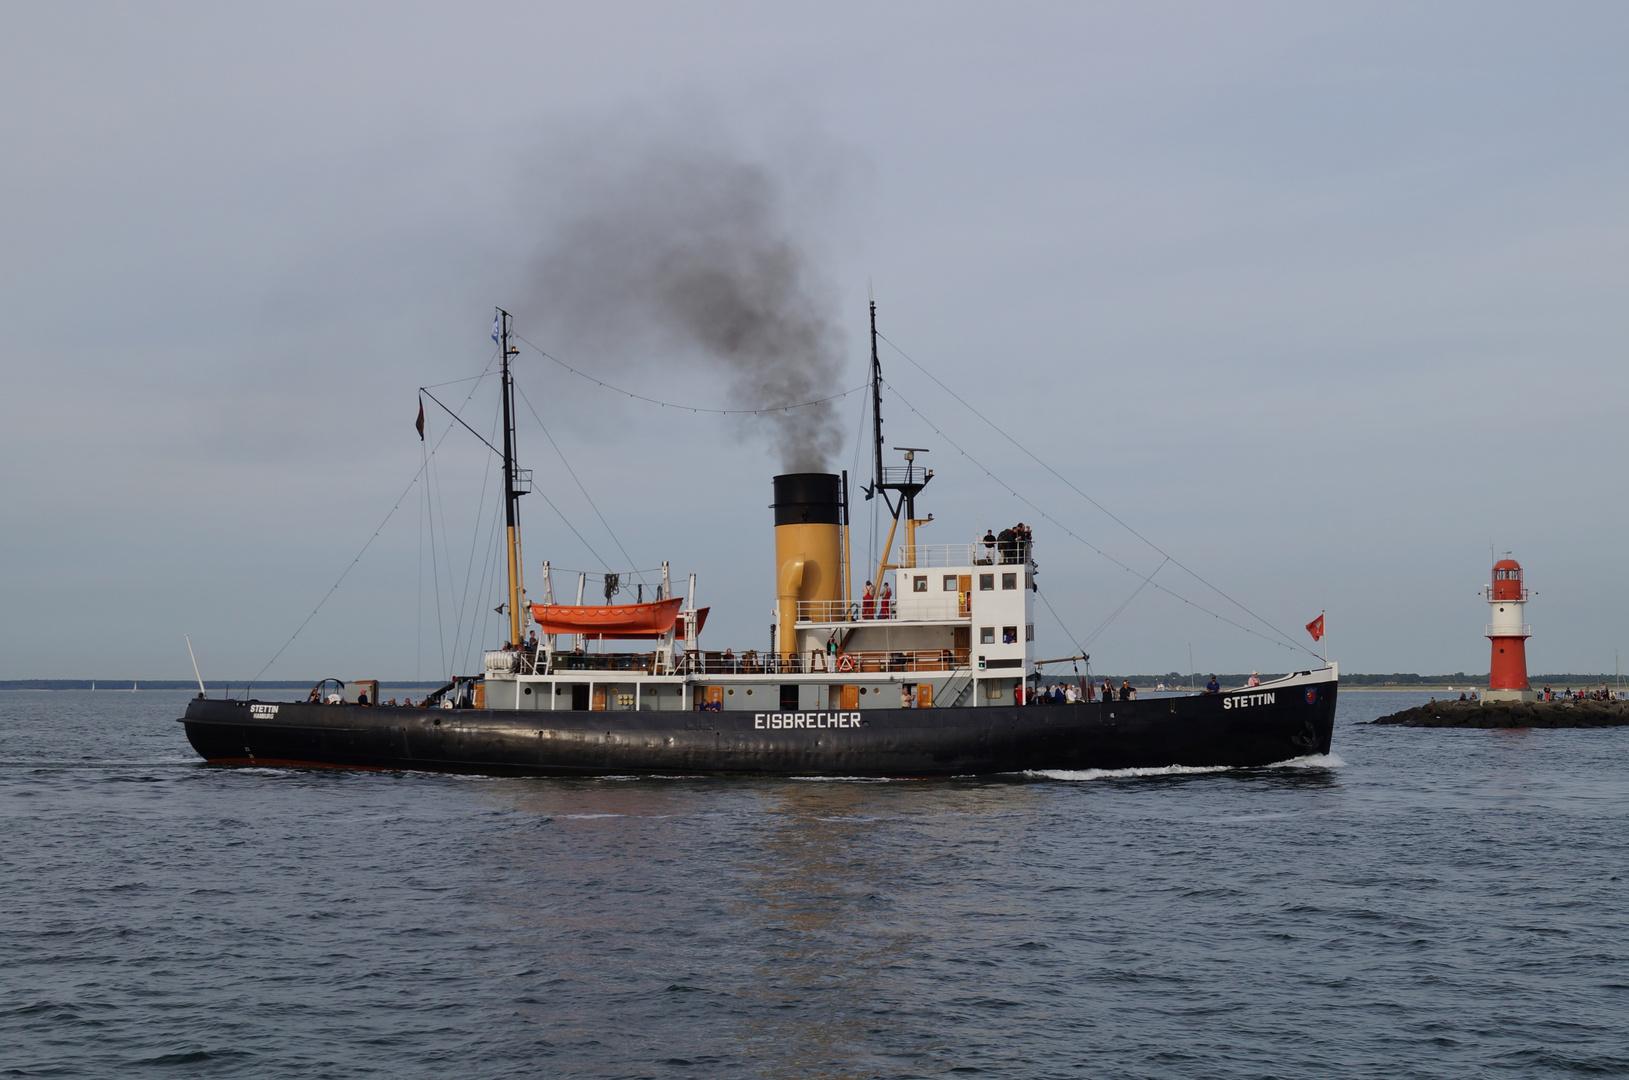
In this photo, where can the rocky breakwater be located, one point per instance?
(1513, 714)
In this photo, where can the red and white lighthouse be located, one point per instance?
(1507, 597)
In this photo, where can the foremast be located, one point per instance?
(516, 482)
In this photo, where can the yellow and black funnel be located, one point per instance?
(808, 551)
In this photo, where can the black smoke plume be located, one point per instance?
(675, 254)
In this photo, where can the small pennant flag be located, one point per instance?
(497, 326)
(420, 424)
(1316, 627)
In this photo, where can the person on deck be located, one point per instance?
(885, 601)
(1108, 690)
(1005, 544)
(531, 642)
(868, 602)
(1127, 691)
(989, 547)
(1254, 680)
(1213, 687)
(362, 698)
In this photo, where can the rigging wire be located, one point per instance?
(348, 568)
(601, 573)
(854, 471)
(1115, 614)
(572, 527)
(1076, 536)
(446, 549)
(435, 564)
(455, 382)
(469, 569)
(423, 471)
(675, 405)
(484, 592)
(418, 636)
(1116, 518)
(580, 487)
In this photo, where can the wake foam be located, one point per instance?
(1125, 774)
(1311, 761)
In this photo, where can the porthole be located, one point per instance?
(732, 691)
(862, 689)
(749, 691)
(528, 690)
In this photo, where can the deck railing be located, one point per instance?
(728, 662)
(837, 665)
(930, 555)
(936, 607)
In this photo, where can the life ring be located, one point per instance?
(845, 662)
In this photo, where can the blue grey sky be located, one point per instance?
(1323, 300)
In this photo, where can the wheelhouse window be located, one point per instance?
(919, 583)
(986, 635)
(1009, 635)
(950, 583)
(1009, 581)
(986, 582)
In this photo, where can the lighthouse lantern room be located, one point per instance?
(1507, 597)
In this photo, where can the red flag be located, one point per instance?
(1316, 627)
(420, 424)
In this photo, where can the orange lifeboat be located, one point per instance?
(616, 620)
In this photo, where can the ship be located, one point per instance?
(933, 677)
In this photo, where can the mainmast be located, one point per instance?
(516, 482)
(907, 481)
(876, 406)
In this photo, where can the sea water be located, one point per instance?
(1421, 903)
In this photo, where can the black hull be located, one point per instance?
(1238, 729)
